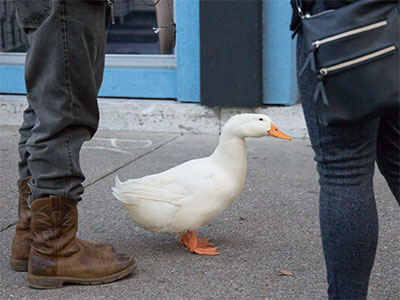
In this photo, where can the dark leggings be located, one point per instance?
(346, 159)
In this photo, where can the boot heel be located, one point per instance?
(19, 265)
(42, 283)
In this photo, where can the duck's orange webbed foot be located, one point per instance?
(198, 246)
(204, 242)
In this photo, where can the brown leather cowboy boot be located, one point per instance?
(21, 244)
(58, 257)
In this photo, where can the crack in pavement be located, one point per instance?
(8, 226)
(133, 160)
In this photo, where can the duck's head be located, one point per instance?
(253, 125)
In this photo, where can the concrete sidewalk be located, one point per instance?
(165, 116)
(273, 226)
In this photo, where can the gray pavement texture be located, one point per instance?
(273, 226)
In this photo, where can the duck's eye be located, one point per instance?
(261, 119)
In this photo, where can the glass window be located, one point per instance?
(11, 37)
(140, 27)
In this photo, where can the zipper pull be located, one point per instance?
(305, 16)
(300, 12)
(316, 45)
(323, 72)
(111, 5)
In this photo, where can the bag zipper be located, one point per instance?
(327, 70)
(111, 5)
(332, 38)
(309, 16)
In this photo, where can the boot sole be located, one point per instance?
(19, 265)
(54, 282)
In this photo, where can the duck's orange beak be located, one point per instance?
(275, 132)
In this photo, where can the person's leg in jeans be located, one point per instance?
(63, 73)
(349, 225)
(62, 80)
(25, 133)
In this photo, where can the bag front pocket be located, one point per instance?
(353, 62)
(339, 36)
(358, 89)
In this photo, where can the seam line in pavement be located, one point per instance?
(133, 160)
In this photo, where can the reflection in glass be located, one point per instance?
(166, 25)
(141, 27)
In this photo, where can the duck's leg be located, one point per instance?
(198, 246)
(184, 239)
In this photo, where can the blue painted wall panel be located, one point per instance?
(139, 83)
(118, 82)
(188, 50)
(12, 80)
(280, 86)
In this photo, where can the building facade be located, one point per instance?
(225, 53)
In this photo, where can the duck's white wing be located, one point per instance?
(144, 189)
(172, 186)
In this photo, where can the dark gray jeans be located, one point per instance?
(345, 162)
(63, 73)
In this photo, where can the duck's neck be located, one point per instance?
(231, 154)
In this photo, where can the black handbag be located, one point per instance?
(354, 56)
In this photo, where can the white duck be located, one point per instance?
(180, 200)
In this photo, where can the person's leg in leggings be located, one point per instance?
(388, 151)
(348, 216)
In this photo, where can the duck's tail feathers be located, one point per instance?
(117, 190)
